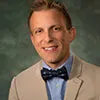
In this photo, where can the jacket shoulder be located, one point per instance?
(90, 66)
(31, 71)
(25, 84)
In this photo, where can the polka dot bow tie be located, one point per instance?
(49, 74)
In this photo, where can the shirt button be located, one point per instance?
(57, 85)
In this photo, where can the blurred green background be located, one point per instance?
(16, 50)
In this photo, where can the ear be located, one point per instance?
(72, 34)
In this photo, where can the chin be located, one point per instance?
(53, 61)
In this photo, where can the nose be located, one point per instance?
(48, 37)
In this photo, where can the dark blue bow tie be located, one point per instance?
(49, 74)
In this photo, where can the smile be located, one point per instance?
(50, 48)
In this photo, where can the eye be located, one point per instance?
(38, 31)
(57, 28)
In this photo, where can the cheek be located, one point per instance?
(62, 37)
(36, 40)
(37, 47)
(35, 43)
(67, 38)
(59, 36)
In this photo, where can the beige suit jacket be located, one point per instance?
(83, 84)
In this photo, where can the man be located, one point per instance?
(59, 75)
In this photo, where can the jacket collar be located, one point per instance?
(74, 83)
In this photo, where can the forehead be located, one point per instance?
(47, 18)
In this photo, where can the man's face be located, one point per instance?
(50, 36)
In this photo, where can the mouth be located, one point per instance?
(51, 48)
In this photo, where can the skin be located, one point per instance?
(50, 36)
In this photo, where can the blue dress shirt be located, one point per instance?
(56, 86)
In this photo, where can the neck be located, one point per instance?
(55, 65)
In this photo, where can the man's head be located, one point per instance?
(39, 5)
(50, 35)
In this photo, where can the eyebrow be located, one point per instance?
(36, 28)
(54, 26)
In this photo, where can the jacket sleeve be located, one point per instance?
(13, 91)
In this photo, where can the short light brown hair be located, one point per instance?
(38, 5)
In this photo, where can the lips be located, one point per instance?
(51, 48)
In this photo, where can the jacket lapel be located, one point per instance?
(41, 93)
(74, 83)
(73, 87)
